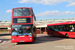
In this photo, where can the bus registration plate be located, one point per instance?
(21, 41)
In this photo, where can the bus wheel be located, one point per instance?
(66, 35)
(52, 34)
(48, 33)
(33, 39)
(15, 43)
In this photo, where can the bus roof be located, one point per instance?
(64, 23)
(22, 7)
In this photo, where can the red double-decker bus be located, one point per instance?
(65, 29)
(22, 25)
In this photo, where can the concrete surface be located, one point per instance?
(42, 42)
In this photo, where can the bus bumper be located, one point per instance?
(21, 39)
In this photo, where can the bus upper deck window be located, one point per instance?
(26, 12)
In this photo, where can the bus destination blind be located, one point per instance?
(21, 20)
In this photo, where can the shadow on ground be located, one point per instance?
(5, 39)
(4, 34)
(43, 39)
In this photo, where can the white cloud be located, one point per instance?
(70, 1)
(8, 11)
(46, 2)
(53, 13)
(71, 4)
(24, 1)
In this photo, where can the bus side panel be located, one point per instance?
(49, 32)
(63, 34)
(72, 34)
(59, 33)
(56, 33)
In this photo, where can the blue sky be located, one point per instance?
(43, 9)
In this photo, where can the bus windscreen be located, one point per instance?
(21, 30)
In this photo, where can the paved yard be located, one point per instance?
(42, 42)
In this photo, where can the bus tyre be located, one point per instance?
(33, 39)
(15, 43)
(66, 35)
(48, 33)
(52, 34)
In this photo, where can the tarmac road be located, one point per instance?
(42, 42)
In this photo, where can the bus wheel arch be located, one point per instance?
(66, 35)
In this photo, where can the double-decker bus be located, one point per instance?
(23, 25)
(65, 29)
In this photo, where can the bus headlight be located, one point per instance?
(13, 39)
(29, 33)
(30, 38)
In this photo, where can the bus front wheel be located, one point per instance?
(52, 34)
(66, 35)
(15, 43)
